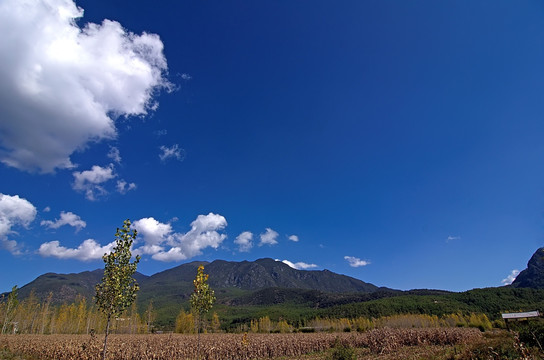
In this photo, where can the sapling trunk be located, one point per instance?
(106, 338)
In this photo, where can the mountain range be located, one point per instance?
(250, 289)
(224, 276)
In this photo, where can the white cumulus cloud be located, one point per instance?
(66, 218)
(63, 85)
(269, 237)
(14, 211)
(88, 250)
(244, 241)
(154, 233)
(293, 238)
(154, 238)
(510, 278)
(173, 152)
(298, 265)
(356, 262)
(164, 244)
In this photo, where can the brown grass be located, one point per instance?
(377, 344)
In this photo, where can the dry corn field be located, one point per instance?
(226, 346)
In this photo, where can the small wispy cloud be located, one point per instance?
(66, 218)
(161, 132)
(172, 152)
(186, 76)
(510, 278)
(90, 181)
(293, 238)
(95, 182)
(356, 262)
(298, 265)
(453, 238)
(123, 187)
(115, 155)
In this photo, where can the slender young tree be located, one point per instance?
(202, 299)
(118, 288)
(45, 312)
(10, 308)
(150, 317)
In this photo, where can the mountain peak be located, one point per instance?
(533, 276)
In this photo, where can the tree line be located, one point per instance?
(30, 316)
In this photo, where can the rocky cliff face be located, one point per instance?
(533, 276)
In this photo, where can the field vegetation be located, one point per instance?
(32, 317)
(231, 346)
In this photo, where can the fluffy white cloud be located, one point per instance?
(174, 152)
(159, 240)
(66, 218)
(86, 251)
(356, 262)
(173, 254)
(14, 211)
(510, 278)
(158, 237)
(204, 233)
(63, 85)
(452, 238)
(244, 241)
(153, 231)
(269, 237)
(90, 181)
(123, 187)
(293, 238)
(298, 265)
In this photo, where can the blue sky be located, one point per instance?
(396, 142)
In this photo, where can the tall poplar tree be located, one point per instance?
(202, 299)
(118, 288)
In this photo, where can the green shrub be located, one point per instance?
(499, 324)
(342, 352)
(497, 345)
(532, 334)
